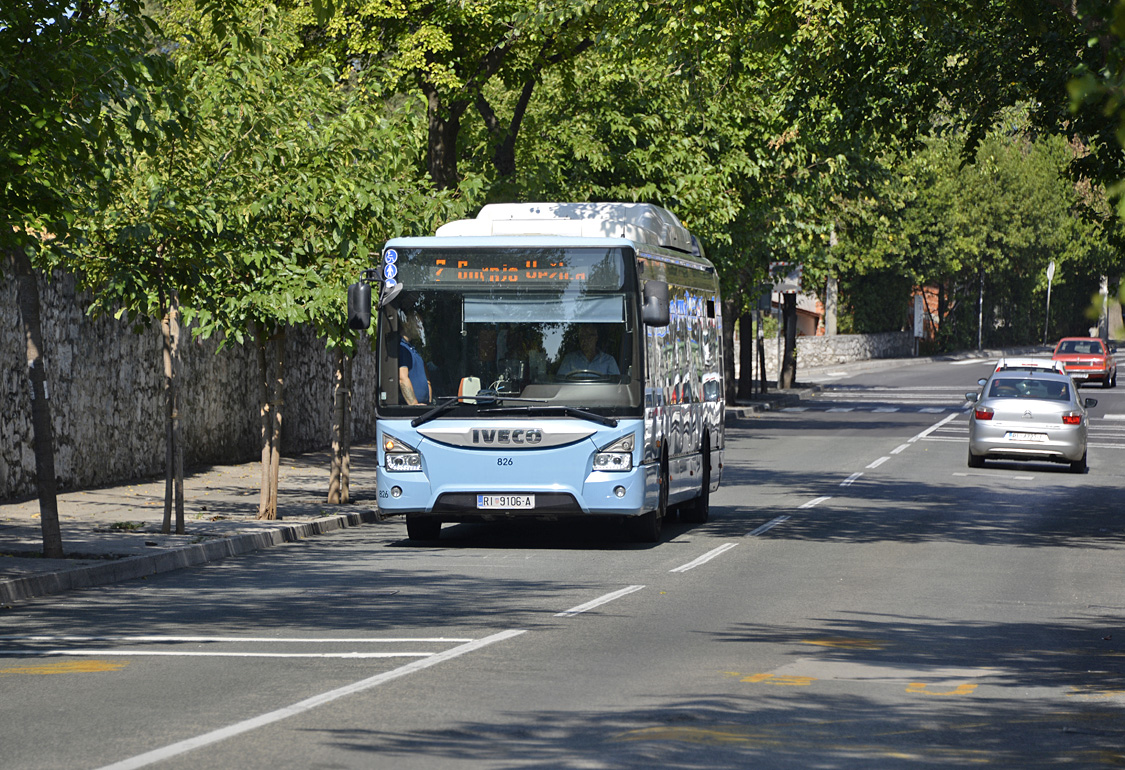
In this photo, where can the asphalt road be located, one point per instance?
(859, 599)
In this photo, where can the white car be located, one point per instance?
(1030, 364)
(1029, 415)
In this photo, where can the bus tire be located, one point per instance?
(423, 529)
(646, 528)
(699, 509)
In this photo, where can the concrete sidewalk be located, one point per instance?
(113, 533)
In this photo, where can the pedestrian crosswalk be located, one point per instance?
(1104, 433)
(1107, 430)
(844, 399)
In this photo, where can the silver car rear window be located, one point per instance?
(1020, 387)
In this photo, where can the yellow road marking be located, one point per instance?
(695, 735)
(848, 644)
(65, 667)
(961, 689)
(1092, 691)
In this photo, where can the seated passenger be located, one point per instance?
(1058, 391)
(588, 358)
(1003, 389)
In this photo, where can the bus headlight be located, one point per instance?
(618, 456)
(400, 456)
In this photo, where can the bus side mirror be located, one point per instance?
(359, 305)
(655, 310)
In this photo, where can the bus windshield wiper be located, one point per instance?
(441, 408)
(569, 411)
(481, 397)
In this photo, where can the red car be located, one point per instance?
(1087, 358)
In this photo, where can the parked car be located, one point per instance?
(1029, 415)
(1087, 359)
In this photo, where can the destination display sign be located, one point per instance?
(592, 268)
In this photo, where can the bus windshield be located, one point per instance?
(548, 326)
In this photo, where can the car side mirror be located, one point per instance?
(971, 396)
(982, 381)
(1090, 403)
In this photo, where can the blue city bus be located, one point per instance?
(547, 361)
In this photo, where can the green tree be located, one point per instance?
(70, 75)
(986, 229)
(449, 54)
(295, 176)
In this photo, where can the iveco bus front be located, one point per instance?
(547, 361)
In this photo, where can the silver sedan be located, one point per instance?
(1029, 415)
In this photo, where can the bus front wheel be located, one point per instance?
(647, 527)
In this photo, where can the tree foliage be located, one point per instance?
(886, 142)
(78, 85)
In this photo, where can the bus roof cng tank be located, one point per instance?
(639, 222)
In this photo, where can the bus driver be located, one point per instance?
(588, 358)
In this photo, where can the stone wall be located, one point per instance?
(814, 352)
(107, 405)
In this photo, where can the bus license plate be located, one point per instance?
(1027, 437)
(505, 501)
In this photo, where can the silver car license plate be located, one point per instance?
(1027, 437)
(505, 501)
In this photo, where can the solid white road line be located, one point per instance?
(932, 428)
(768, 526)
(190, 654)
(597, 602)
(814, 502)
(236, 639)
(704, 558)
(183, 747)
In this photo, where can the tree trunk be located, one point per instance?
(504, 157)
(787, 377)
(761, 343)
(830, 306)
(44, 438)
(271, 369)
(339, 478)
(728, 310)
(745, 355)
(267, 505)
(442, 139)
(174, 453)
(276, 412)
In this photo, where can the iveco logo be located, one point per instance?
(507, 436)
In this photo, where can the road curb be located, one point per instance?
(132, 567)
